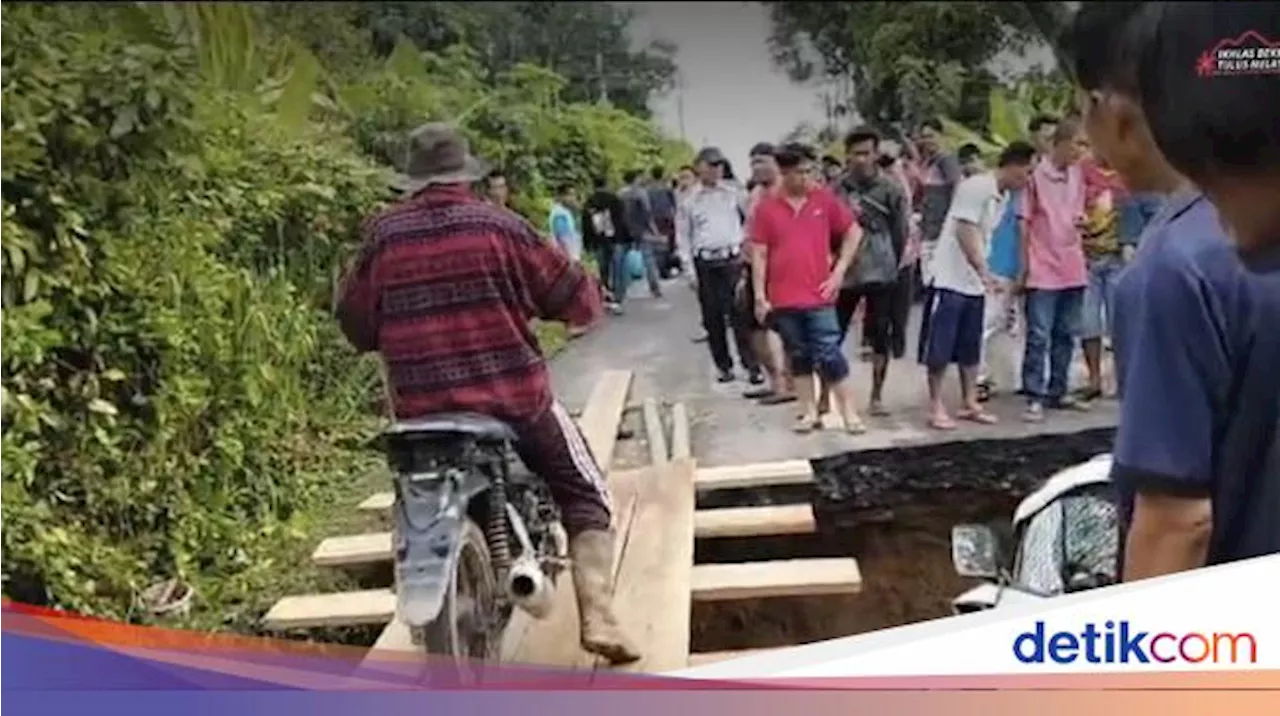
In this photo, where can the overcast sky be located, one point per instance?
(733, 96)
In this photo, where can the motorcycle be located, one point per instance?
(474, 538)
(1063, 538)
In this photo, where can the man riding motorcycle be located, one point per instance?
(444, 288)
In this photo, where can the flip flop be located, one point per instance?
(854, 427)
(1089, 395)
(804, 425)
(947, 424)
(777, 399)
(761, 394)
(978, 416)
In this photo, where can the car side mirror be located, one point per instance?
(975, 551)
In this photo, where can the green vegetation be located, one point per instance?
(900, 62)
(181, 186)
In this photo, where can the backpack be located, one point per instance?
(876, 262)
(602, 222)
(635, 211)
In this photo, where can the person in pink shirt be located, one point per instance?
(1052, 213)
(796, 278)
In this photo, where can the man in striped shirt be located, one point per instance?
(444, 288)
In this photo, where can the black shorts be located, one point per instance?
(877, 315)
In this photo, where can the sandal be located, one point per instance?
(805, 424)
(978, 416)
(942, 424)
(761, 394)
(1066, 402)
(777, 399)
(1089, 395)
(984, 392)
(854, 426)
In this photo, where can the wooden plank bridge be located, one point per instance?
(655, 581)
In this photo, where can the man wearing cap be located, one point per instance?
(709, 237)
(444, 288)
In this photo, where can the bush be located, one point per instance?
(175, 391)
(178, 401)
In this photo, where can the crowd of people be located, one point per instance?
(1007, 304)
(1152, 219)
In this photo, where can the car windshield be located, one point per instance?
(1072, 543)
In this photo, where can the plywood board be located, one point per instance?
(373, 606)
(603, 413)
(782, 578)
(711, 657)
(353, 550)
(753, 521)
(651, 599)
(655, 433)
(759, 474)
(681, 446)
(378, 502)
(554, 641)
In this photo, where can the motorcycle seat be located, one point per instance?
(481, 427)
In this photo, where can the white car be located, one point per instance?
(1064, 538)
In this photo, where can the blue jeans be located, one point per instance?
(619, 272)
(1053, 319)
(651, 273)
(811, 337)
(1099, 297)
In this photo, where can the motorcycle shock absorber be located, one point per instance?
(497, 532)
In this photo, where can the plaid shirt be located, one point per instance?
(445, 287)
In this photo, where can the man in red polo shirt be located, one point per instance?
(796, 280)
(444, 288)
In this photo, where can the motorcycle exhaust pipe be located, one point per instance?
(529, 588)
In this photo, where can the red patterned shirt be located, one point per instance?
(444, 288)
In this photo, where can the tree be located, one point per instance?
(907, 60)
(586, 43)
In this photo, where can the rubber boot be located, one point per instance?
(599, 632)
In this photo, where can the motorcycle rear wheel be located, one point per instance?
(467, 635)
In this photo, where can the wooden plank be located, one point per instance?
(554, 640)
(373, 606)
(353, 550)
(655, 433)
(753, 521)
(759, 474)
(651, 598)
(711, 657)
(681, 447)
(603, 413)
(379, 502)
(783, 578)
(396, 638)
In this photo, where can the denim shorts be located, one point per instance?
(812, 339)
(1099, 297)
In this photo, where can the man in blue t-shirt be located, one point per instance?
(1002, 315)
(563, 225)
(1196, 344)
